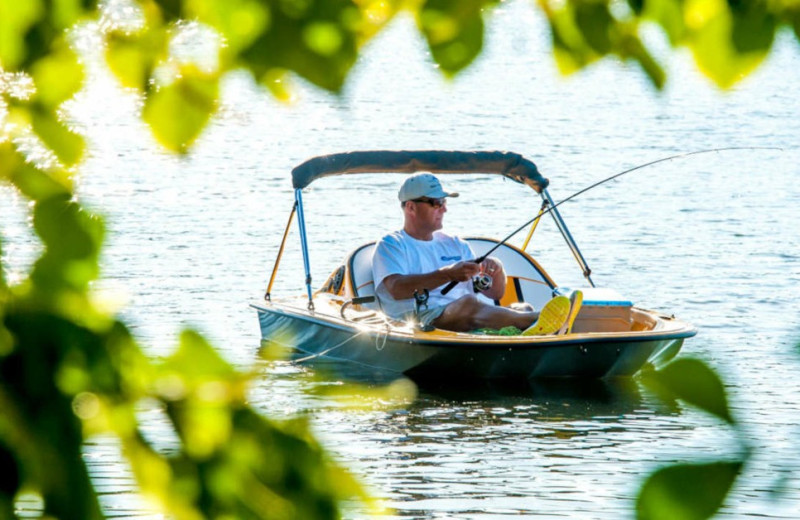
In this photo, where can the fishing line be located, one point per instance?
(596, 184)
(318, 354)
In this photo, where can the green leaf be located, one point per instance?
(686, 491)
(201, 389)
(3, 298)
(454, 31)
(178, 112)
(569, 46)
(66, 144)
(31, 181)
(694, 382)
(170, 9)
(711, 39)
(239, 22)
(46, 436)
(595, 22)
(10, 478)
(632, 47)
(132, 57)
(72, 238)
(669, 15)
(67, 13)
(16, 19)
(753, 27)
(196, 361)
(57, 77)
(316, 39)
(795, 17)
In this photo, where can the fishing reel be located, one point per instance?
(482, 282)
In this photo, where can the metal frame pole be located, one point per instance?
(301, 221)
(562, 226)
(545, 203)
(268, 294)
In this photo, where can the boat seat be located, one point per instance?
(527, 281)
(359, 267)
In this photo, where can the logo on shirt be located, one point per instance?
(451, 258)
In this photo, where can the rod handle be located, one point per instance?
(449, 287)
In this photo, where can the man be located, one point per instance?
(420, 257)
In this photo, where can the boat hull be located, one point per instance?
(312, 335)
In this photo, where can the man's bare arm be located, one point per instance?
(402, 286)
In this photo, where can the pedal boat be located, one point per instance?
(342, 320)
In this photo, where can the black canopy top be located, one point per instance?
(509, 164)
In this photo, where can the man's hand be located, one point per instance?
(494, 268)
(461, 271)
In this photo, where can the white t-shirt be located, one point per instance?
(400, 253)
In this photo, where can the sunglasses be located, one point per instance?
(435, 203)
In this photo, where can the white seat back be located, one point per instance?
(359, 266)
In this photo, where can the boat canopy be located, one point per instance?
(511, 165)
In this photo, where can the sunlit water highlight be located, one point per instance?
(711, 239)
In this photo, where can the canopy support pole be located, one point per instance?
(267, 296)
(562, 227)
(545, 203)
(301, 221)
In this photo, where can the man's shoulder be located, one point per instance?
(392, 240)
(393, 237)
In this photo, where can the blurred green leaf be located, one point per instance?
(38, 419)
(57, 77)
(67, 145)
(170, 9)
(795, 17)
(201, 387)
(686, 491)
(29, 180)
(239, 22)
(179, 111)
(3, 296)
(72, 238)
(569, 47)
(632, 47)
(595, 22)
(67, 13)
(668, 14)
(454, 31)
(197, 362)
(694, 382)
(711, 27)
(16, 19)
(317, 39)
(753, 26)
(10, 479)
(133, 57)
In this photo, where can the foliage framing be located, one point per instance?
(69, 369)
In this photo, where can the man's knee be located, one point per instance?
(462, 313)
(466, 305)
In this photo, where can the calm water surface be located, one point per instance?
(711, 238)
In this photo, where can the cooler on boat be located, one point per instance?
(603, 310)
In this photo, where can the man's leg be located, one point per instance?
(469, 313)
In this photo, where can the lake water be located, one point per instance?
(710, 238)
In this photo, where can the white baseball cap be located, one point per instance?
(422, 185)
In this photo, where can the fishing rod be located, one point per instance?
(483, 257)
